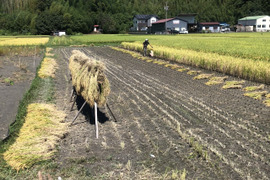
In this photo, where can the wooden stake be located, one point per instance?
(96, 120)
(74, 102)
(111, 112)
(72, 93)
(78, 112)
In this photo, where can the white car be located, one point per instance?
(183, 31)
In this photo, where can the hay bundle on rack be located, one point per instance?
(88, 78)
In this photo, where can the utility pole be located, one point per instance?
(166, 9)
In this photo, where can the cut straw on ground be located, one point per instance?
(203, 76)
(256, 94)
(233, 84)
(48, 68)
(37, 140)
(254, 88)
(216, 80)
(193, 72)
(267, 101)
(88, 78)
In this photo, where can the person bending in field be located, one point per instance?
(145, 44)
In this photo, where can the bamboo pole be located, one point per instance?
(96, 120)
(78, 112)
(74, 102)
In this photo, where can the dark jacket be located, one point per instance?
(145, 44)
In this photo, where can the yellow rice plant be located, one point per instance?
(244, 68)
(37, 140)
(48, 68)
(88, 78)
(24, 41)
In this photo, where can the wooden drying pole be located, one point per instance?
(74, 119)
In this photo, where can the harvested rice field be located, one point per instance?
(162, 123)
(16, 75)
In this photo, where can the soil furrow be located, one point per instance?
(218, 135)
(227, 133)
(153, 105)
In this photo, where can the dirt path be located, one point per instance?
(16, 74)
(159, 112)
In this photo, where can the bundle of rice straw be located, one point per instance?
(88, 78)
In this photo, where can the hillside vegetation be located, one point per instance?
(79, 16)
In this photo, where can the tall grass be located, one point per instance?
(245, 68)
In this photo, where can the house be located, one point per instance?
(210, 27)
(142, 22)
(190, 18)
(254, 23)
(169, 25)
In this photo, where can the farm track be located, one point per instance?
(158, 111)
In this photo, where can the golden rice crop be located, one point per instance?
(88, 78)
(244, 68)
(23, 41)
(48, 68)
(38, 136)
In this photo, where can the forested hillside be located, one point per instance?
(115, 16)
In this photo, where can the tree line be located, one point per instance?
(114, 16)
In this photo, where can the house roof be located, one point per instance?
(166, 20)
(162, 21)
(187, 14)
(251, 18)
(209, 23)
(144, 16)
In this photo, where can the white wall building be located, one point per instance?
(255, 23)
(143, 22)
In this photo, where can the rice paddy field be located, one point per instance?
(255, 46)
(198, 109)
(22, 41)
